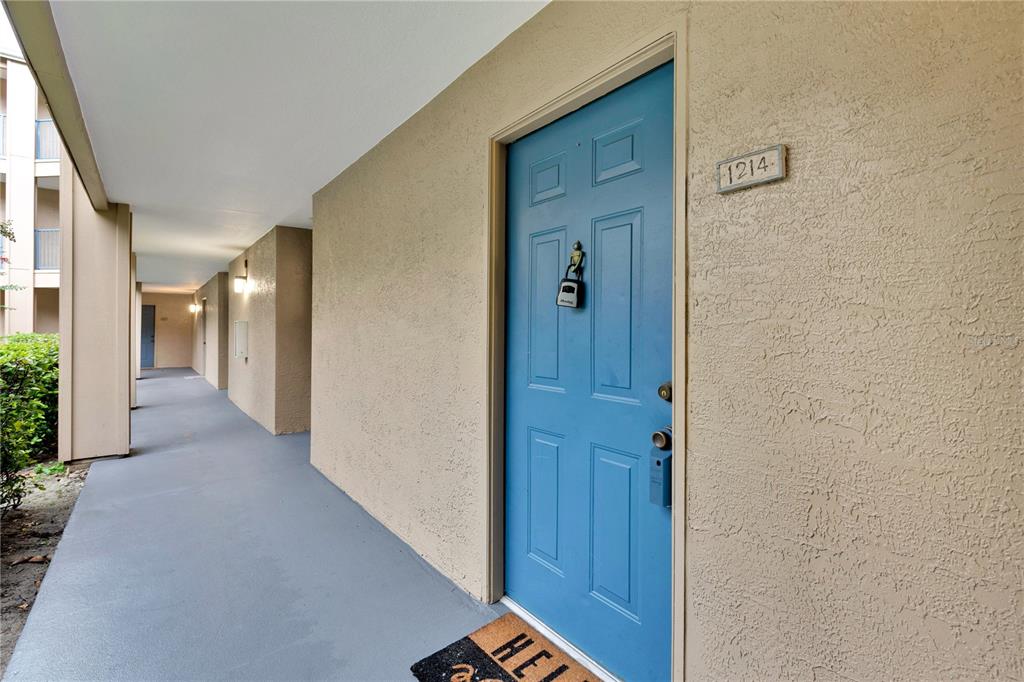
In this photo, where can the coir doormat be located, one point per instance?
(505, 650)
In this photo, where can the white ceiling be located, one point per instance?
(218, 120)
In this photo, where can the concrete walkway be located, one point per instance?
(218, 552)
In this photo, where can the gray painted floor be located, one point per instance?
(218, 552)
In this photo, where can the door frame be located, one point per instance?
(619, 69)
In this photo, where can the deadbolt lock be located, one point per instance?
(665, 391)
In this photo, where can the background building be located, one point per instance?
(30, 150)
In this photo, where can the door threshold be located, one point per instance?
(561, 642)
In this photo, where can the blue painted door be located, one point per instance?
(586, 551)
(148, 335)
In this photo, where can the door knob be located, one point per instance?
(662, 438)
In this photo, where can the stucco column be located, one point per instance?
(96, 298)
(134, 329)
(137, 331)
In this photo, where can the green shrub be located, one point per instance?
(28, 409)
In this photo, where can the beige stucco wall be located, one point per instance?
(173, 347)
(198, 347)
(855, 332)
(211, 360)
(251, 379)
(856, 421)
(276, 306)
(293, 329)
(47, 314)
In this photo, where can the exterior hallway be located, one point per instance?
(218, 552)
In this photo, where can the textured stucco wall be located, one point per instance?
(220, 354)
(294, 291)
(212, 360)
(855, 332)
(251, 380)
(173, 347)
(272, 386)
(199, 362)
(856, 336)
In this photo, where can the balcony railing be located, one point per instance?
(47, 248)
(47, 141)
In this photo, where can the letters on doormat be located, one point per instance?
(505, 650)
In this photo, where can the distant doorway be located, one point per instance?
(148, 344)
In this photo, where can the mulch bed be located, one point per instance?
(28, 538)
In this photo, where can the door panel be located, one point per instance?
(148, 341)
(586, 550)
(547, 252)
(616, 288)
(542, 498)
(614, 516)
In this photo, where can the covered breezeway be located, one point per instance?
(217, 551)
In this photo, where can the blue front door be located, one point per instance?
(148, 335)
(586, 550)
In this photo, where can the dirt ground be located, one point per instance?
(28, 538)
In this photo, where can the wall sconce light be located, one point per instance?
(193, 308)
(242, 280)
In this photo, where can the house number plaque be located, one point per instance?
(754, 168)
